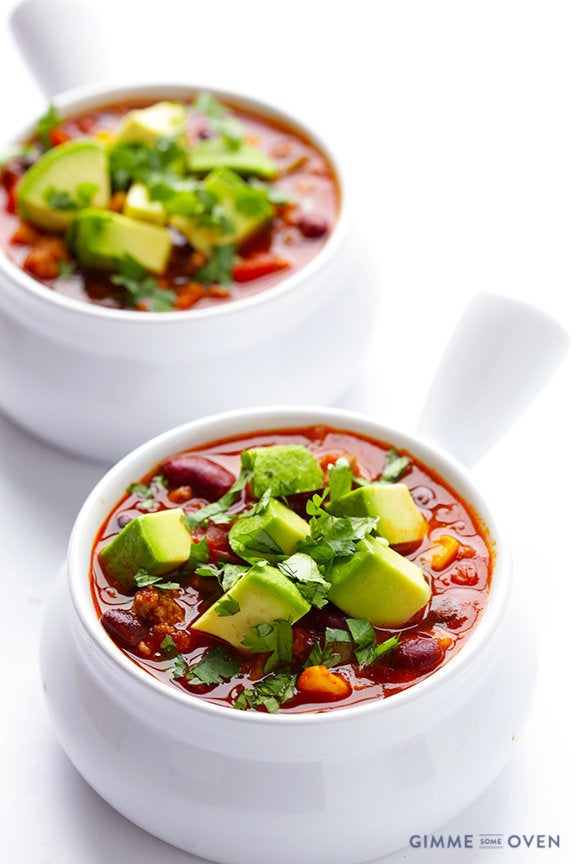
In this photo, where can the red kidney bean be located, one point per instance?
(311, 225)
(124, 626)
(419, 652)
(123, 519)
(207, 479)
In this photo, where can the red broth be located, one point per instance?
(459, 589)
(296, 233)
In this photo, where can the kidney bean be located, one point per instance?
(123, 519)
(124, 626)
(207, 479)
(420, 653)
(311, 225)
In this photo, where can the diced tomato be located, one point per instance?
(24, 235)
(258, 265)
(45, 257)
(188, 295)
(58, 136)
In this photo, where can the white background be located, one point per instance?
(456, 125)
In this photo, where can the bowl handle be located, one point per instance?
(500, 356)
(61, 43)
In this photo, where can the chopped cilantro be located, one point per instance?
(227, 606)
(221, 121)
(147, 493)
(62, 200)
(396, 466)
(143, 579)
(136, 161)
(275, 638)
(180, 667)
(226, 574)
(335, 536)
(168, 647)
(219, 267)
(214, 668)
(66, 269)
(270, 693)
(304, 571)
(141, 287)
(321, 656)
(49, 121)
(363, 636)
(199, 554)
(218, 511)
(339, 479)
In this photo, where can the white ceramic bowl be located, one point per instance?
(100, 381)
(342, 786)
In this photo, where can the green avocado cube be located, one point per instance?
(162, 120)
(242, 209)
(262, 595)
(155, 542)
(379, 584)
(244, 159)
(138, 205)
(285, 469)
(63, 181)
(399, 519)
(270, 535)
(101, 239)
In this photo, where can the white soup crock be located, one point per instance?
(99, 381)
(342, 786)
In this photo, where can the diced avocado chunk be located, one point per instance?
(240, 210)
(286, 469)
(379, 584)
(263, 594)
(271, 534)
(399, 519)
(162, 120)
(244, 159)
(101, 239)
(155, 542)
(139, 206)
(63, 181)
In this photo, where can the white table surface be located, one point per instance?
(456, 123)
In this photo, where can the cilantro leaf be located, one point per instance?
(304, 571)
(199, 554)
(217, 511)
(363, 636)
(226, 574)
(321, 656)
(168, 647)
(396, 466)
(335, 536)
(143, 579)
(221, 120)
(180, 667)
(147, 493)
(215, 668)
(219, 268)
(227, 606)
(49, 121)
(339, 479)
(141, 287)
(270, 693)
(275, 638)
(136, 161)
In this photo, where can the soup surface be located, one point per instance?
(165, 206)
(320, 638)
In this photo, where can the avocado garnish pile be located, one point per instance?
(214, 193)
(342, 553)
